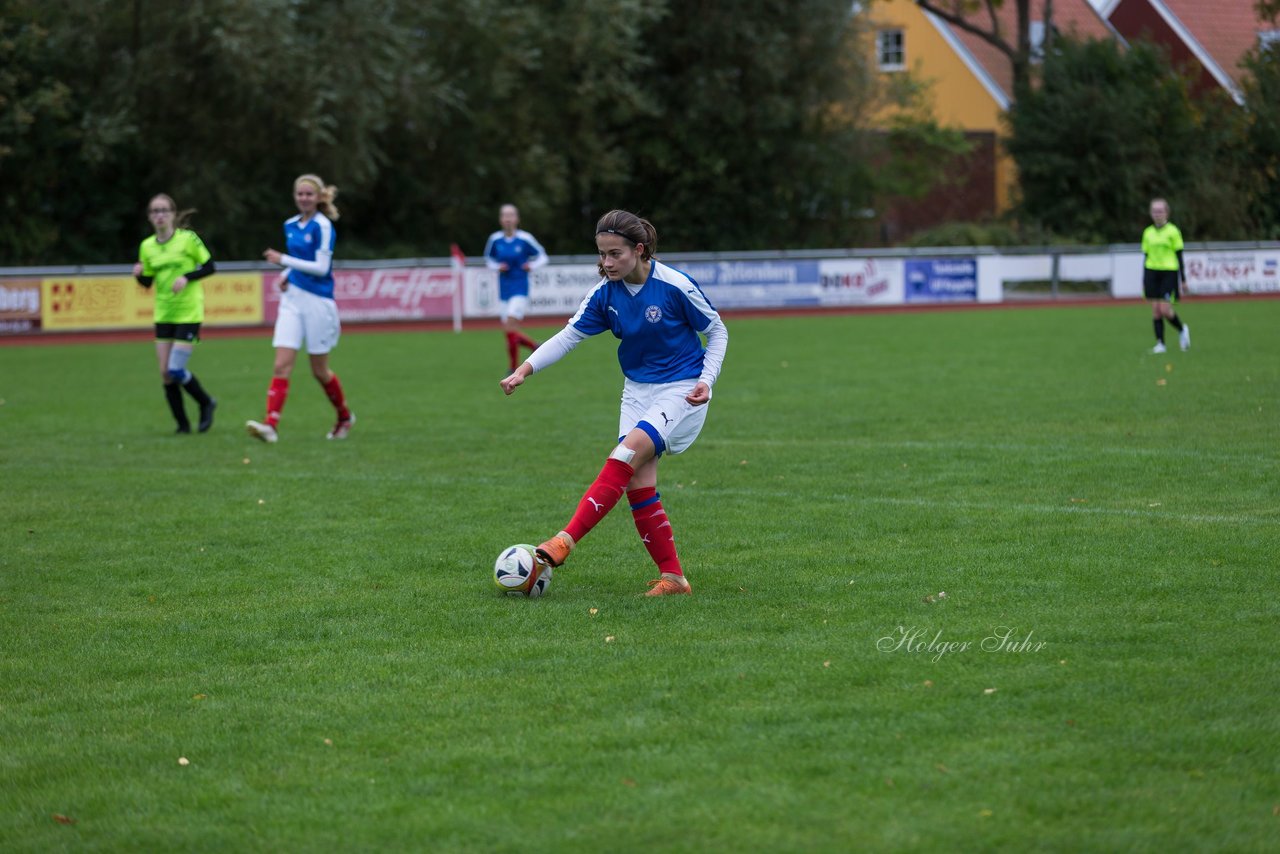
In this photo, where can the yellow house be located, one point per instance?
(970, 86)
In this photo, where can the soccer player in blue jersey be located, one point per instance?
(174, 260)
(307, 308)
(513, 253)
(657, 312)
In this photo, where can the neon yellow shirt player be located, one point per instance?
(1164, 277)
(172, 261)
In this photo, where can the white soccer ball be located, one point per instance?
(518, 572)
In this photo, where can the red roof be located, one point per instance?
(1223, 29)
(1070, 17)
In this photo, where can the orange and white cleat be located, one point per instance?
(264, 432)
(669, 585)
(556, 550)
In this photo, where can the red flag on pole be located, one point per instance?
(459, 264)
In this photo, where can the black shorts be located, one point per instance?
(1160, 284)
(178, 332)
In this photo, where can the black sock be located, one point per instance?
(173, 393)
(197, 392)
(1175, 323)
(1159, 324)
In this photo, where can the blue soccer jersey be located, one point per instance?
(311, 245)
(658, 324)
(515, 251)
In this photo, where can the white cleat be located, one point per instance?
(1159, 348)
(264, 432)
(1184, 337)
(342, 428)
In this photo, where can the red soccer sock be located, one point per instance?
(525, 341)
(276, 395)
(333, 388)
(654, 528)
(599, 498)
(513, 350)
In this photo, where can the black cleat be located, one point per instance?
(206, 415)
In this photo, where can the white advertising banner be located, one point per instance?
(557, 290)
(802, 283)
(1246, 271)
(554, 290)
(868, 281)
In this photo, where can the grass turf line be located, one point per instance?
(160, 597)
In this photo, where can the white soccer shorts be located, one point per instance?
(303, 315)
(514, 308)
(663, 407)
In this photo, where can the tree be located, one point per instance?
(732, 125)
(1016, 46)
(1262, 103)
(1108, 129)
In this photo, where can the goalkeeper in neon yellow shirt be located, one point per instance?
(1164, 276)
(173, 261)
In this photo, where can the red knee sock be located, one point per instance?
(525, 341)
(513, 350)
(600, 497)
(333, 388)
(654, 528)
(276, 395)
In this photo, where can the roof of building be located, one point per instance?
(1070, 17)
(1218, 34)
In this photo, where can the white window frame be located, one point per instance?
(884, 49)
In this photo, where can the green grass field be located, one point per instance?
(313, 625)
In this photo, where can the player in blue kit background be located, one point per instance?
(657, 312)
(513, 253)
(307, 307)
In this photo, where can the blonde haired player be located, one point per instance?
(657, 312)
(308, 311)
(513, 253)
(1164, 276)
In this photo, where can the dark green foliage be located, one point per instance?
(729, 126)
(1110, 128)
(1262, 92)
(967, 234)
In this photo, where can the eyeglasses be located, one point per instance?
(159, 210)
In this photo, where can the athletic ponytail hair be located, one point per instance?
(325, 194)
(635, 230)
(180, 218)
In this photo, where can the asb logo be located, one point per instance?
(653, 314)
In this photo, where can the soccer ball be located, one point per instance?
(513, 572)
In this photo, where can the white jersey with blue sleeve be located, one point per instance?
(309, 253)
(658, 326)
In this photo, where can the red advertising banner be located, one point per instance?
(402, 293)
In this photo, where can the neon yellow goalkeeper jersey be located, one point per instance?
(182, 253)
(1161, 246)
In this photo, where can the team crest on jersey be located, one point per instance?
(653, 314)
(306, 238)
